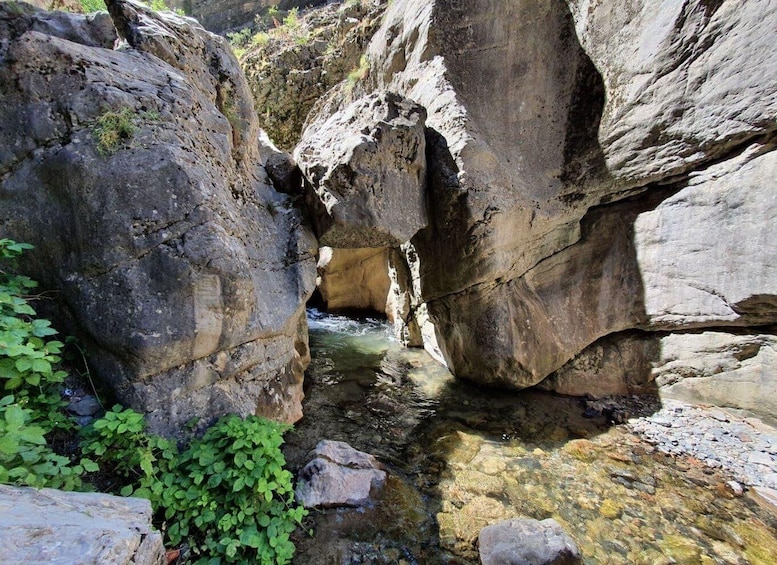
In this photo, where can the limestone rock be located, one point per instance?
(686, 82)
(706, 253)
(547, 228)
(181, 269)
(354, 279)
(338, 475)
(711, 367)
(289, 71)
(365, 168)
(60, 528)
(721, 369)
(527, 542)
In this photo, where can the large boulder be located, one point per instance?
(55, 527)
(136, 174)
(592, 169)
(365, 168)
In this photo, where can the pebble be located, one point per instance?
(742, 446)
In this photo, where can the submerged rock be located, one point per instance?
(527, 542)
(55, 527)
(339, 475)
(136, 174)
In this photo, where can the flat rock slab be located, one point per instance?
(61, 528)
(527, 542)
(338, 475)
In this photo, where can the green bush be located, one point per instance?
(90, 6)
(227, 495)
(29, 370)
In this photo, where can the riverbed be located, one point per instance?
(460, 457)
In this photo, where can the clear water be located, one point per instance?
(460, 458)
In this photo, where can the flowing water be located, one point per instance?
(460, 458)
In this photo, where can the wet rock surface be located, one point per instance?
(338, 475)
(527, 542)
(461, 458)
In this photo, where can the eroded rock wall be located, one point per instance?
(170, 253)
(220, 16)
(597, 172)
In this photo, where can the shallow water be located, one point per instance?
(460, 458)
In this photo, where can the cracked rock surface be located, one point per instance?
(171, 254)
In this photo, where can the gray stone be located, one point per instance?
(61, 528)
(527, 542)
(174, 261)
(686, 82)
(338, 475)
(722, 218)
(365, 168)
(760, 459)
(86, 406)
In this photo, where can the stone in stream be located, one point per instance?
(55, 527)
(338, 475)
(527, 542)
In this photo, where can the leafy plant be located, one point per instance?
(91, 6)
(119, 442)
(26, 458)
(29, 369)
(227, 495)
(232, 493)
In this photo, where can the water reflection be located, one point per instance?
(460, 458)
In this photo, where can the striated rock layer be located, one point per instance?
(51, 526)
(170, 253)
(594, 170)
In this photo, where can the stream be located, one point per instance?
(460, 457)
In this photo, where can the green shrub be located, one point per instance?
(29, 370)
(122, 447)
(90, 6)
(227, 495)
(360, 72)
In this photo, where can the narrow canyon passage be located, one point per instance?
(460, 457)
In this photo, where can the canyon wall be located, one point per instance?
(135, 171)
(599, 189)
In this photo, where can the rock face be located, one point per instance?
(527, 542)
(365, 168)
(136, 174)
(594, 171)
(51, 526)
(338, 475)
(289, 70)
(219, 16)
(354, 279)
